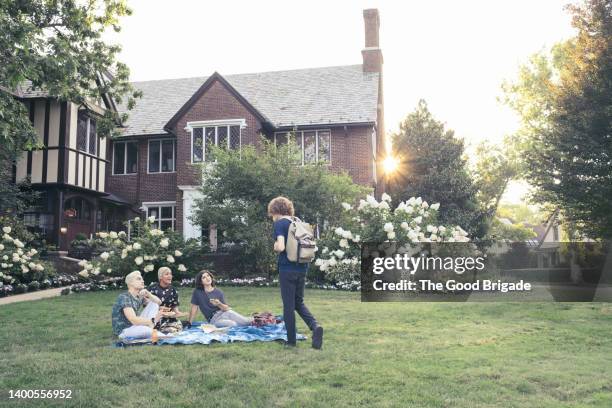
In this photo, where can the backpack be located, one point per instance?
(301, 244)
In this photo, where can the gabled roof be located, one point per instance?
(316, 96)
(207, 84)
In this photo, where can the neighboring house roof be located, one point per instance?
(331, 95)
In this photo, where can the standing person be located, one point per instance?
(211, 302)
(125, 321)
(292, 275)
(169, 297)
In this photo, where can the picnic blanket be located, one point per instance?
(195, 335)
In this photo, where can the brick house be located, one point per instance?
(152, 168)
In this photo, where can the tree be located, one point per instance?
(56, 47)
(237, 188)
(432, 166)
(564, 99)
(495, 167)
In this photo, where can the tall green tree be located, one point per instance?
(432, 166)
(237, 188)
(564, 99)
(495, 166)
(57, 47)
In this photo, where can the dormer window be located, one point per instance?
(86, 134)
(225, 134)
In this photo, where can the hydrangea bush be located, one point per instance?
(20, 264)
(148, 251)
(412, 221)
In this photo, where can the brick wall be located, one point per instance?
(215, 104)
(141, 187)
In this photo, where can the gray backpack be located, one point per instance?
(301, 244)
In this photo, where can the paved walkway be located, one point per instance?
(39, 294)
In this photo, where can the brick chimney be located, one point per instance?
(372, 55)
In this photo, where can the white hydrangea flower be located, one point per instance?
(318, 262)
(182, 268)
(4, 265)
(347, 206)
(104, 256)
(404, 226)
(137, 246)
(6, 230)
(339, 253)
(344, 243)
(149, 268)
(138, 260)
(391, 235)
(384, 205)
(325, 250)
(102, 235)
(124, 253)
(151, 219)
(121, 234)
(113, 235)
(435, 206)
(386, 197)
(84, 273)
(424, 204)
(388, 227)
(7, 237)
(347, 235)
(418, 219)
(24, 269)
(357, 238)
(164, 243)
(339, 231)
(109, 270)
(157, 232)
(82, 263)
(18, 243)
(170, 259)
(39, 267)
(1, 247)
(178, 253)
(332, 262)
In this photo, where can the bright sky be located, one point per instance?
(453, 54)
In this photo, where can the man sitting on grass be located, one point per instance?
(125, 321)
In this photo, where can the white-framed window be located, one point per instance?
(125, 158)
(162, 156)
(314, 145)
(164, 213)
(86, 134)
(226, 134)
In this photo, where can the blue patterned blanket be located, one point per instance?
(195, 335)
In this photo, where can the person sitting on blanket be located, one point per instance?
(211, 302)
(125, 321)
(169, 302)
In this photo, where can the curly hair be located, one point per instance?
(281, 206)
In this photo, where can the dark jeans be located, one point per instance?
(292, 292)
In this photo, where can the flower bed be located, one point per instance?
(118, 283)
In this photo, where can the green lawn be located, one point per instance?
(375, 354)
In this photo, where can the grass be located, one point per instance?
(375, 354)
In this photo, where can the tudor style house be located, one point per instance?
(152, 169)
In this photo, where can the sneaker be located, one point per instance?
(317, 338)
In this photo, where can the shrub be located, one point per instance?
(19, 263)
(413, 221)
(149, 251)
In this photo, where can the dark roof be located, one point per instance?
(331, 95)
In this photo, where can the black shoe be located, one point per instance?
(317, 338)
